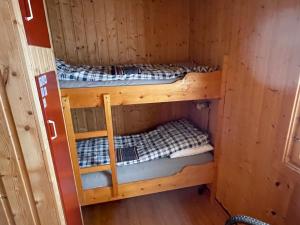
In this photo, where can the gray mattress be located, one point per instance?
(84, 84)
(143, 171)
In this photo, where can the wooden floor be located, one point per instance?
(180, 207)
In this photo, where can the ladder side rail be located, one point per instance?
(111, 145)
(72, 145)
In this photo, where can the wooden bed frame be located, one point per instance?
(188, 177)
(194, 86)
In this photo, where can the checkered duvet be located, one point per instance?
(158, 143)
(121, 72)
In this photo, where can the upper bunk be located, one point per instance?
(137, 83)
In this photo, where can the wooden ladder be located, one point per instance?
(111, 145)
(92, 134)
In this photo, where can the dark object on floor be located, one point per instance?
(201, 189)
(244, 220)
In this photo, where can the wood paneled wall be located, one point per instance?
(209, 39)
(119, 31)
(139, 118)
(28, 181)
(262, 40)
(13, 171)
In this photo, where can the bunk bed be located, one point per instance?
(100, 176)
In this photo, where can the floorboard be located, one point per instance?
(180, 207)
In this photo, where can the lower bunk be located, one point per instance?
(188, 176)
(144, 171)
(173, 155)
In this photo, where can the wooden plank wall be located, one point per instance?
(262, 40)
(130, 119)
(30, 185)
(260, 37)
(204, 114)
(18, 207)
(119, 31)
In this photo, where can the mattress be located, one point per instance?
(144, 171)
(158, 143)
(90, 84)
(128, 74)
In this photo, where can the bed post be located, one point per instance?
(111, 145)
(72, 145)
(220, 116)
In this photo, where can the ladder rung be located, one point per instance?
(94, 169)
(90, 134)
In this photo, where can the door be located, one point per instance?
(35, 22)
(54, 122)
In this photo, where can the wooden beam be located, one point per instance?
(13, 174)
(94, 169)
(194, 86)
(219, 122)
(24, 62)
(111, 145)
(72, 144)
(90, 134)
